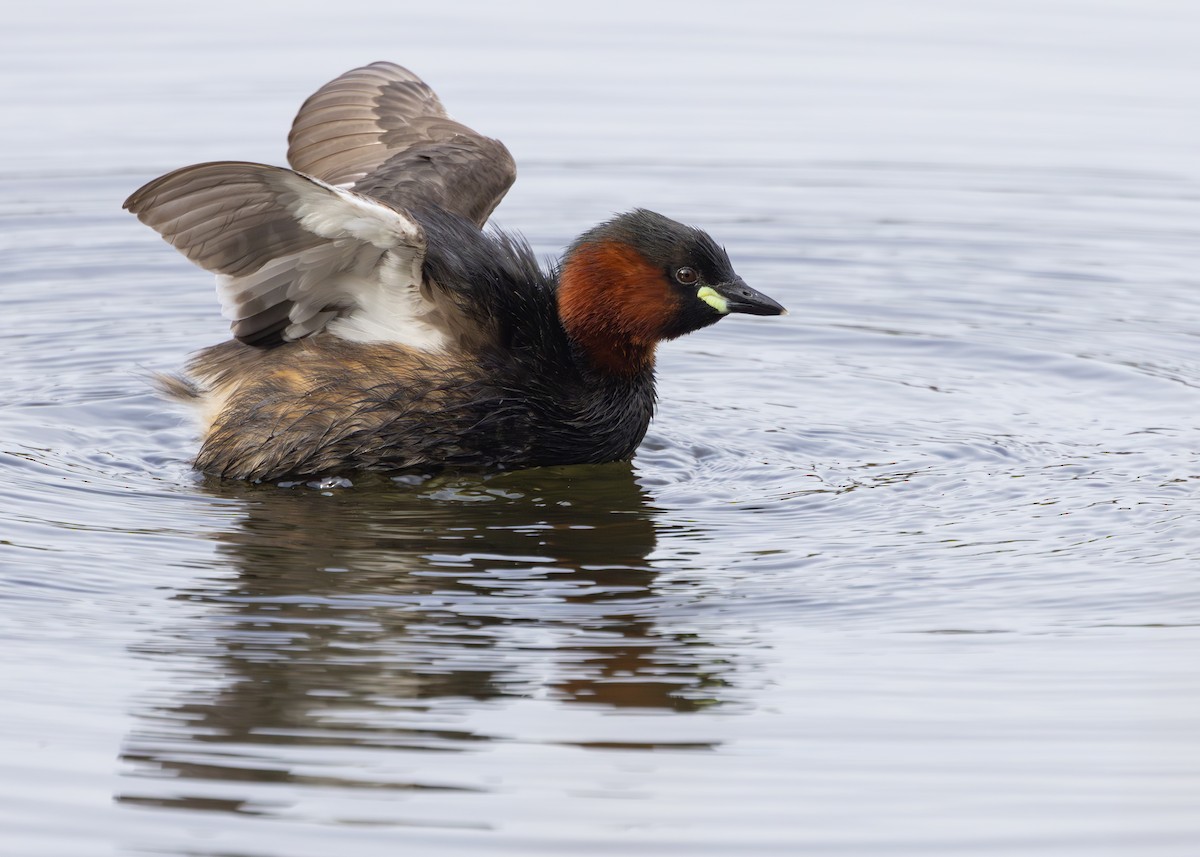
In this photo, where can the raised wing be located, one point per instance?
(381, 131)
(294, 255)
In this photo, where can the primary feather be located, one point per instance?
(382, 131)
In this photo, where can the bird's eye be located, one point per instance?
(687, 276)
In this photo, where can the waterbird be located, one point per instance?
(378, 326)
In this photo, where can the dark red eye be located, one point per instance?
(687, 276)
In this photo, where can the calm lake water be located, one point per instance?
(912, 571)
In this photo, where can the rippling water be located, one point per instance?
(911, 571)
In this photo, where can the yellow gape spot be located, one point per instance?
(709, 295)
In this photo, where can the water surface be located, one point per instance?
(911, 571)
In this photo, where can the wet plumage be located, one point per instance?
(377, 327)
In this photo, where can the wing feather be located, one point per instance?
(382, 131)
(335, 245)
(292, 253)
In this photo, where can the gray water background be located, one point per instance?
(911, 571)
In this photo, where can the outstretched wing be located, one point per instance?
(382, 132)
(294, 254)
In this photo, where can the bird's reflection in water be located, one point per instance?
(373, 616)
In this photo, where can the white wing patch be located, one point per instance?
(391, 308)
(344, 214)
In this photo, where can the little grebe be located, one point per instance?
(377, 327)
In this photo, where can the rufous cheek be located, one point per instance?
(616, 305)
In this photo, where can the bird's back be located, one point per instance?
(326, 406)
